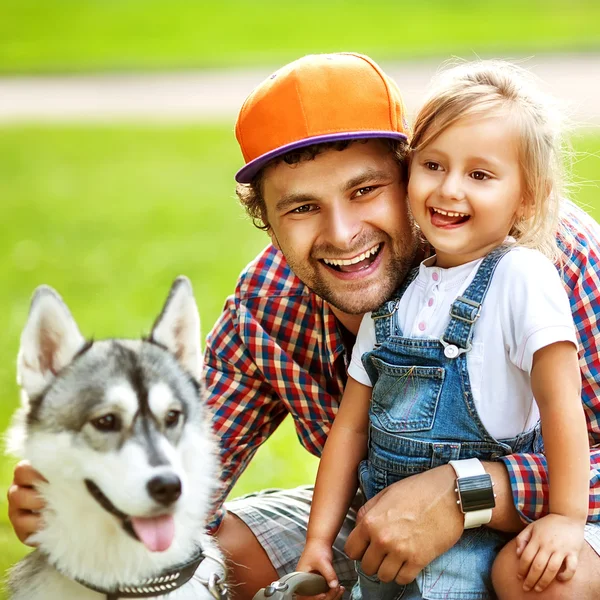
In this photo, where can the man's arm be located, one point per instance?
(394, 523)
(245, 410)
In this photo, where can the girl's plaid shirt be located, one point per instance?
(277, 349)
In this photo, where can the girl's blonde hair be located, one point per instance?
(482, 87)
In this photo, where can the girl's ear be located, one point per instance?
(526, 209)
(528, 206)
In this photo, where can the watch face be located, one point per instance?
(476, 492)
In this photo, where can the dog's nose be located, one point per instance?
(165, 488)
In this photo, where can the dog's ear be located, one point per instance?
(49, 341)
(178, 327)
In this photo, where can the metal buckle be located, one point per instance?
(470, 303)
(449, 351)
(392, 307)
(217, 587)
(276, 586)
(215, 584)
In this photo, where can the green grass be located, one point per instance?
(38, 36)
(109, 216)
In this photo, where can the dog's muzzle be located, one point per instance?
(109, 507)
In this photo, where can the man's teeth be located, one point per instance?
(351, 261)
(448, 213)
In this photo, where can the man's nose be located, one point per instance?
(343, 225)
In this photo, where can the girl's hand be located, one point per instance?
(317, 557)
(549, 548)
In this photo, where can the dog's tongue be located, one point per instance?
(156, 533)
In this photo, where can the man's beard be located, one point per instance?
(363, 299)
(359, 301)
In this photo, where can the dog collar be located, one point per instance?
(166, 582)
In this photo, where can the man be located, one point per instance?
(324, 140)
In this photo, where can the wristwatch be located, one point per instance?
(475, 490)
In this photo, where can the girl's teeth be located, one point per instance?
(448, 213)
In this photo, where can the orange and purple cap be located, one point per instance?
(315, 99)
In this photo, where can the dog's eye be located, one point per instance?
(108, 422)
(172, 418)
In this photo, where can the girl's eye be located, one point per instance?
(479, 175)
(432, 166)
(364, 190)
(172, 418)
(106, 423)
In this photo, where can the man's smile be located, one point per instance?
(357, 263)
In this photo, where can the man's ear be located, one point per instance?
(177, 328)
(49, 341)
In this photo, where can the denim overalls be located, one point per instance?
(422, 415)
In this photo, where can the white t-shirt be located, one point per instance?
(525, 309)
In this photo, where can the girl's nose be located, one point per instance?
(452, 187)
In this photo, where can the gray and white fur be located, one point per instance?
(130, 417)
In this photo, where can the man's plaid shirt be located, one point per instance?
(277, 349)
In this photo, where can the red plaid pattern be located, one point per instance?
(277, 350)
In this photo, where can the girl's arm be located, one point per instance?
(337, 481)
(556, 386)
(337, 477)
(551, 546)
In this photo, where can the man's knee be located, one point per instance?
(585, 584)
(248, 565)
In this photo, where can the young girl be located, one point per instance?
(477, 345)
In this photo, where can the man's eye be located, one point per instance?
(300, 210)
(479, 175)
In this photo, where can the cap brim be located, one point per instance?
(247, 173)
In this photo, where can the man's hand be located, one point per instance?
(24, 503)
(549, 548)
(407, 525)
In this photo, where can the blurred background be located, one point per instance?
(117, 151)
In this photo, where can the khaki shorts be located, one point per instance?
(278, 519)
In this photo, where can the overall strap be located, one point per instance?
(383, 317)
(465, 310)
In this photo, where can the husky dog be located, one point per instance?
(119, 430)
